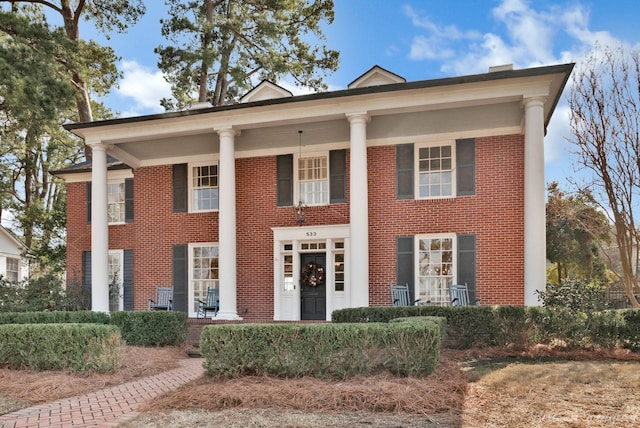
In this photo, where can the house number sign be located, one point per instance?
(309, 234)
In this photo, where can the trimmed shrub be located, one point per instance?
(517, 326)
(75, 347)
(152, 328)
(404, 348)
(82, 317)
(467, 326)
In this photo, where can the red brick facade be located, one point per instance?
(495, 215)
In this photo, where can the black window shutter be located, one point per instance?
(86, 279)
(467, 264)
(128, 200)
(337, 176)
(404, 262)
(285, 180)
(180, 278)
(180, 187)
(404, 171)
(89, 202)
(466, 166)
(127, 280)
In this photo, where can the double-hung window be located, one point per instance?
(116, 201)
(435, 171)
(313, 180)
(203, 271)
(204, 187)
(436, 267)
(12, 271)
(116, 271)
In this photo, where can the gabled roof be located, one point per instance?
(13, 238)
(265, 91)
(375, 76)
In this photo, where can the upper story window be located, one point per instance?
(435, 171)
(115, 202)
(12, 272)
(204, 187)
(119, 199)
(313, 180)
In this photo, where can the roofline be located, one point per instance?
(393, 87)
(87, 168)
(13, 237)
(373, 68)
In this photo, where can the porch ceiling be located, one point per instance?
(320, 134)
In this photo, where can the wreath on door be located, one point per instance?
(312, 274)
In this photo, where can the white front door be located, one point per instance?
(289, 245)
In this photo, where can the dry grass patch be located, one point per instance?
(276, 418)
(443, 391)
(558, 394)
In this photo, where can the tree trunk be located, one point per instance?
(83, 102)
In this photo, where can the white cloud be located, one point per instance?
(437, 43)
(425, 48)
(524, 36)
(145, 87)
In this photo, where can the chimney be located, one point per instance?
(504, 67)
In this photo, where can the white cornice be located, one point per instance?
(422, 99)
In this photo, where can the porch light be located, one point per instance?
(301, 208)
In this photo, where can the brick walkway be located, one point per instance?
(108, 407)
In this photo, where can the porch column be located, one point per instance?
(534, 201)
(227, 226)
(359, 211)
(99, 229)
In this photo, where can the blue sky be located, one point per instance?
(418, 39)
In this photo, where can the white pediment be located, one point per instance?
(376, 76)
(265, 91)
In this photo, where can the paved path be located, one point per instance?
(108, 407)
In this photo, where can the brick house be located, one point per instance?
(428, 183)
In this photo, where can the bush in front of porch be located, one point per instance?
(517, 327)
(409, 347)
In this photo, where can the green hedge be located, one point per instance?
(54, 317)
(473, 326)
(76, 347)
(152, 328)
(404, 348)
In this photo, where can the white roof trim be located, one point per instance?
(376, 76)
(265, 91)
(12, 237)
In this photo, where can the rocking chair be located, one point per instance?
(211, 303)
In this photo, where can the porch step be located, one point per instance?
(194, 353)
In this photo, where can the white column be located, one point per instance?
(359, 211)
(99, 230)
(227, 226)
(534, 201)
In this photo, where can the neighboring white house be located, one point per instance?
(13, 265)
